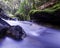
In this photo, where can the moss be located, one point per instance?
(49, 10)
(48, 15)
(22, 16)
(53, 9)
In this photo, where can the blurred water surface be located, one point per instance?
(37, 36)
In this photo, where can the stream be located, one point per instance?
(38, 36)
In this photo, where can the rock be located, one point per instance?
(49, 15)
(3, 22)
(46, 17)
(3, 30)
(16, 32)
(41, 17)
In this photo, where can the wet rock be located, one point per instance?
(16, 32)
(46, 17)
(41, 17)
(4, 22)
(3, 30)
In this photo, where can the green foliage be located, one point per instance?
(20, 16)
(33, 12)
(48, 10)
(24, 10)
(38, 3)
(54, 8)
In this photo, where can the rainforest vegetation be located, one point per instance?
(26, 9)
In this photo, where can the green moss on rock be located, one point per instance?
(53, 9)
(50, 9)
(48, 15)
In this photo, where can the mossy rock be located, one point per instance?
(53, 8)
(48, 15)
(50, 9)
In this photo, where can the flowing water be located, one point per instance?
(37, 36)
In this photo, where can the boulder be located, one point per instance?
(4, 22)
(49, 15)
(16, 32)
(3, 30)
(41, 17)
(44, 16)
